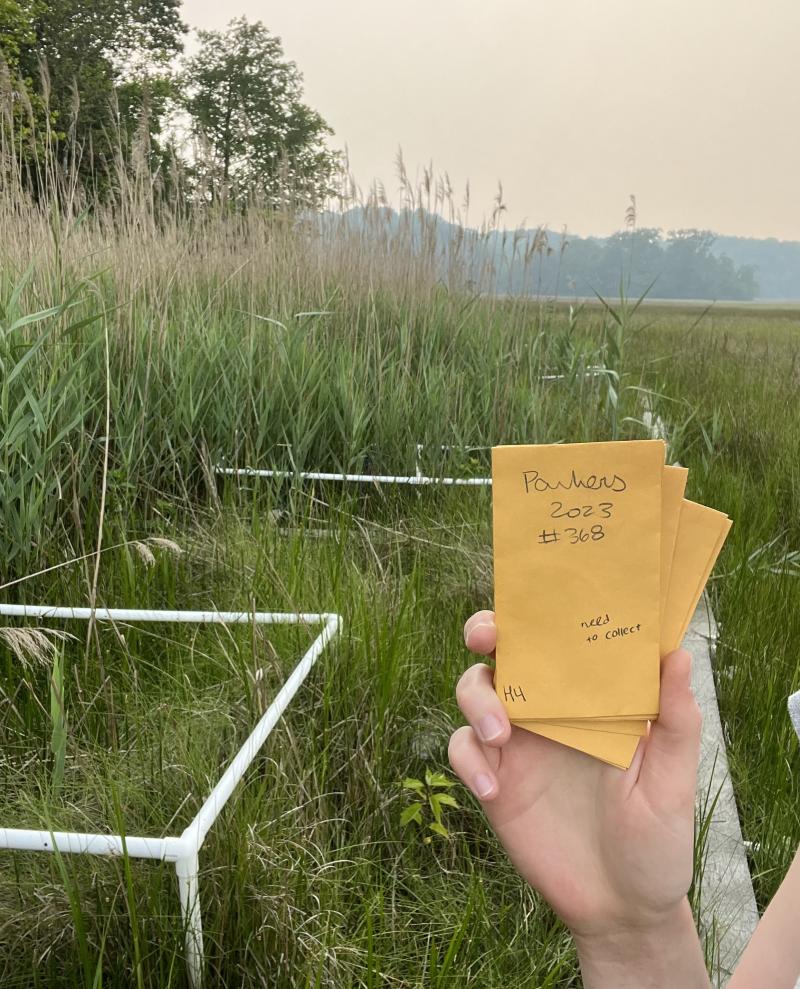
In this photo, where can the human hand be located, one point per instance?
(610, 850)
(772, 958)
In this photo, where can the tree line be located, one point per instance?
(93, 92)
(89, 86)
(676, 264)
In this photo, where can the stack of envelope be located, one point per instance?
(599, 563)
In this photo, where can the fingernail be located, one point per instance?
(483, 785)
(490, 727)
(474, 628)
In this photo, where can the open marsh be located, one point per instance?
(159, 351)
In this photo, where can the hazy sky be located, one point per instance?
(692, 105)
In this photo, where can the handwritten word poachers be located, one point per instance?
(593, 482)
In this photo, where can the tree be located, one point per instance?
(684, 264)
(23, 116)
(246, 104)
(85, 60)
(16, 30)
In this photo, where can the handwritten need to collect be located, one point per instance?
(599, 563)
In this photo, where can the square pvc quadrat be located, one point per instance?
(181, 850)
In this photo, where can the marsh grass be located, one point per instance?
(258, 339)
(736, 375)
(310, 879)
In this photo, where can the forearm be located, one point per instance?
(663, 957)
(773, 956)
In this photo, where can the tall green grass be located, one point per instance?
(257, 346)
(732, 379)
(140, 348)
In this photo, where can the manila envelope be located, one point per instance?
(702, 532)
(577, 534)
(616, 749)
(673, 485)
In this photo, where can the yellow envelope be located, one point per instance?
(618, 750)
(619, 726)
(673, 485)
(699, 529)
(673, 489)
(701, 533)
(637, 727)
(577, 533)
(725, 527)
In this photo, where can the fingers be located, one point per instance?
(480, 633)
(475, 690)
(481, 706)
(678, 710)
(469, 762)
(490, 727)
(669, 766)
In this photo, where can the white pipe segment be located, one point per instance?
(794, 711)
(196, 832)
(144, 615)
(73, 842)
(183, 850)
(314, 475)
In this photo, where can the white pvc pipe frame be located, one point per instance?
(314, 475)
(182, 850)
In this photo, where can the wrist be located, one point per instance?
(660, 952)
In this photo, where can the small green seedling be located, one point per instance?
(428, 802)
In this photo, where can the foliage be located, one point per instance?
(16, 30)
(428, 803)
(67, 65)
(681, 264)
(540, 263)
(24, 117)
(88, 97)
(776, 262)
(42, 415)
(246, 107)
(327, 345)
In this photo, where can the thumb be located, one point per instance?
(669, 768)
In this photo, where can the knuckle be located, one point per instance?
(469, 682)
(476, 619)
(455, 748)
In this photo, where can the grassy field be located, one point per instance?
(136, 355)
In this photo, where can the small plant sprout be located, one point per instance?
(428, 800)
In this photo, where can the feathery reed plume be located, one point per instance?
(630, 214)
(143, 551)
(33, 646)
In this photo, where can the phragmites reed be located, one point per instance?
(33, 646)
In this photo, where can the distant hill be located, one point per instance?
(777, 263)
(682, 264)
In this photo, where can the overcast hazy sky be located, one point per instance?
(693, 105)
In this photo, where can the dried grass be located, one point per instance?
(34, 646)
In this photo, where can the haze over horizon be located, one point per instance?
(691, 107)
